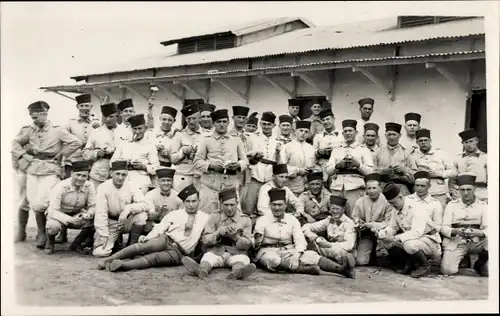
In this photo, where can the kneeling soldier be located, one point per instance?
(341, 234)
(72, 205)
(315, 200)
(465, 229)
(226, 240)
(120, 208)
(176, 236)
(281, 245)
(417, 240)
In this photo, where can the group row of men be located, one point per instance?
(266, 194)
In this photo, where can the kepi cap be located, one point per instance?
(240, 110)
(303, 124)
(227, 194)
(268, 117)
(364, 101)
(413, 117)
(127, 103)
(423, 132)
(276, 194)
(165, 173)
(38, 106)
(83, 98)
(119, 165)
(280, 169)
(315, 176)
(337, 200)
(137, 120)
(187, 192)
(467, 134)
(391, 191)
(393, 127)
(80, 165)
(169, 110)
(108, 109)
(219, 115)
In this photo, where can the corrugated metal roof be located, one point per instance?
(347, 62)
(310, 40)
(240, 28)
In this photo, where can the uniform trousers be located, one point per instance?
(367, 241)
(103, 246)
(452, 256)
(271, 257)
(54, 224)
(250, 196)
(351, 196)
(21, 182)
(224, 260)
(209, 198)
(38, 189)
(429, 246)
(181, 181)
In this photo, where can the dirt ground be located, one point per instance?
(69, 279)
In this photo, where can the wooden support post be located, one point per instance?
(61, 94)
(123, 94)
(187, 87)
(208, 87)
(309, 81)
(331, 82)
(135, 91)
(243, 96)
(376, 80)
(450, 76)
(171, 91)
(278, 85)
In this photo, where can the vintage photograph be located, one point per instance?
(213, 153)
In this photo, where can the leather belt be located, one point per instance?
(268, 162)
(228, 172)
(474, 226)
(44, 156)
(481, 185)
(349, 172)
(276, 245)
(107, 156)
(113, 217)
(165, 164)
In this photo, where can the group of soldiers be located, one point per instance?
(285, 194)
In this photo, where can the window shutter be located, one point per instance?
(224, 41)
(411, 21)
(186, 47)
(442, 19)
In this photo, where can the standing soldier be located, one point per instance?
(281, 244)
(101, 145)
(418, 239)
(465, 229)
(280, 174)
(315, 119)
(40, 148)
(393, 162)
(220, 157)
(163, 137)
(123, 131)
(371, 213)
(293, 111)
(162, 199)
(370, 137)
(184, 147)
(240, 114)
(206, 109)
(366, 106)
(252, 122)
(348, 165)
(315, 200)
(423, 200)
(72, 205)
(340, 236)
(120, 208)
(262, 156)
(140, 153)
(474, 161)
(326, 141)
(285, 130)
(225, 242)
(412, 125)
(300, 158)
(436, 162)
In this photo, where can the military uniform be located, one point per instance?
(227, 149)
(124, 131)
(325, 139)
(110, 203)
(177, 235)
(245, 175)
(410, 143)
(362, 122)
(40, 150)
(263, 201)
(315, 206)
(316, 126)
(138, 150)
(431, 205)
(163, 140)
(282, 139)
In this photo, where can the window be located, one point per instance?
(206, 43)
(411, 21)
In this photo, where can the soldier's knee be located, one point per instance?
(101, 252)
(411, 246)
(53, 227)
(140, 219)
(271, 262)
(448, 269)
(362, 259)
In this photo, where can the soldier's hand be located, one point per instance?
(160, 147)
(123, 216)
(101, 153)
(186, 150)
(312, 236)
(222, 231)
(399, 169)
(216, 165)
(302, 172)
(138, 165)
(294, 262)
(321, 151)
(142, 239)
(278, 146)
(110, 149)
(233, 166)
(340, 165)
(96, 124)
(86, 216)
(322, 242)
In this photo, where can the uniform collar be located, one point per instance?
(352, 145)
(339, 221)
(476, 153)
(430, 152)
(332, 133)
(188, 131)
(44, 128)
(398, 146)
(427, 199)
(282, 220)
(218, 136)
(234, 219)
(463, 205)
(405, 208)
(84, 120)
(235, 132)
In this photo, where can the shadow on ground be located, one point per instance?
(69, 279)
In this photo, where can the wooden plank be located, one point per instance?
(374, 79)
(135, 92)
(171, 91)
(208, 88)
(450, 76)
(61, 94)
(106, 92)
(278, 85)
(187, 87)
(243, 96)
(309, 81)
(331, 83)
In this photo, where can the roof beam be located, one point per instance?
(133, 90)
(168, 90)
(378, 81)
(61, 94)
(278, 85)
(450, 76)
(310, 81)
(243, 96)
(104, 91)
(187, 87)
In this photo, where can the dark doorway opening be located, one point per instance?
(477, 117)
(307, 101)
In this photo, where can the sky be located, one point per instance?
(44, 43)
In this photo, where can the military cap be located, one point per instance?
(412, 117)
(169, 110)
(422, 175)
(280, 169)
(325, 113)
(108, 109)
(391, 191)
(349, 123)
(187, 192)
(315, 176)
(394, 127)
(219, 114)
(294, 102)
(137, 120)
(286, 119)
(466, 179)
(190, 110)
(206, 107)
(165, 173)
(371, 126)
(373, 177)
(127, 103)
(364, 101)
(38, 106)
(119, 165)
(252, 119)
(240, 110)
(467, 134)
(424, 132)
(268, 117)
(78, 166)
(227, 194)
(303, 124)
(276, 194)
(83, 98)
(337, 200)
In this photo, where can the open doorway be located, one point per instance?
(477, 117)
(306, 102)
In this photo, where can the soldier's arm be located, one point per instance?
(176, 149)
(410, 167)
(449, 170)
(101, 212)
(366, 163)
(152, 212)
(445, 228)
(116, 155)
(297, 204)
(418, 224)
(139, 203)
(349, 238)
(437, 213)
(53, 210)
(19, 142)
(160, 228)
(391, 228)
(70, 142)
(91, 199)
(201, 161)
(244, 241)
(484, 222)
(153, 163)
(312, 229)
(387, 214)
(330, 165)
(210, 235)
(298, 236)
(316, 145)
(259, 231)
(357, 210)
(263, 201)
(90, 152)
(242, 156)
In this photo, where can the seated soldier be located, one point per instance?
(340, 236)
(177, 235)
(465, 229)
(315, 200)
(371, 213)
(280, 174)
(423, 200)
(163, 199)
(72, 205)
(226, 240)
(281, 245)
(410, 236)
(120, 208)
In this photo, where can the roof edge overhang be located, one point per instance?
(177, 40)
(328, 65)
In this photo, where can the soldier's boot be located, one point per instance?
(118, 244)
(309, 269)
(423, 265)
(465, 262)
(396, 257)
(408, 266)
(481, 264)
(49, 245)
(89, 237)
(169, 258)
(22, 217)
(77, 244)
(239, 270)
(135, 233)
(62, 237)
(200, 270)
(344, 269)
(41, 237)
